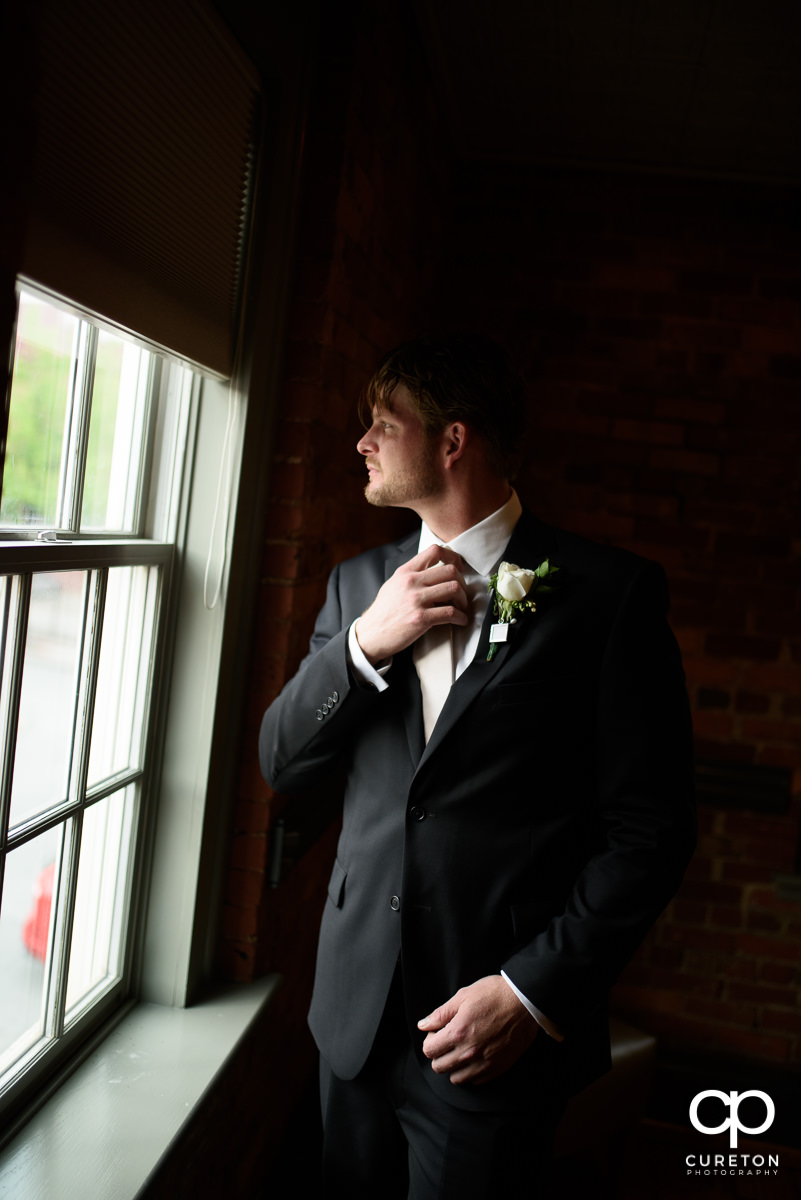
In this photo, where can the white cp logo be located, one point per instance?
(733, 1100)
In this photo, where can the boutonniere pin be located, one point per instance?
(513, 591)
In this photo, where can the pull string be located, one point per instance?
(226, 459)
(226, 470)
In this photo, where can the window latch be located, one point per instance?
(52, 535)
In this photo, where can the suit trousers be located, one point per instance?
(388, 1135)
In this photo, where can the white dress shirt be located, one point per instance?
(481, 549)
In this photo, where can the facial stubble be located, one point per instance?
(419, 481)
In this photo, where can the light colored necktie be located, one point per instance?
(433, 661)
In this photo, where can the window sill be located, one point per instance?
(104, 1132)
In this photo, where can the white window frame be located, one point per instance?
(173, 1018)
(160, 506)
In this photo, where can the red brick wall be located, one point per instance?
(659, 324)
(368, 245)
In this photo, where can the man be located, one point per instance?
(517, 812)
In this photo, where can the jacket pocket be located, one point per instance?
(336, 884)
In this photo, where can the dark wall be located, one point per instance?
(369, 243)
(658, 325)
(658, 321)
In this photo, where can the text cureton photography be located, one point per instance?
(733, 1163)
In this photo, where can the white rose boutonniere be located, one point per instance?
(514, 589)
(514, 583)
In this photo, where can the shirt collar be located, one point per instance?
(482, 545)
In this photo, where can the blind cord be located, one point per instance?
(226, 460)
(225, 471)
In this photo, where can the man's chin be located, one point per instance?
(373, 495)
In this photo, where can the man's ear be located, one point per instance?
(456, 438)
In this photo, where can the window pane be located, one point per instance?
(170, 435)
(96, 442)
(125, 656)
(116, 430)
(44, 368)
(9, 599)
(25, 922)
(101, 900)
(49, 694)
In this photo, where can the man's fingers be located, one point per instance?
(457, 1061)
(446, 604)
(426, 591)
(439, 1027)
(441, 1046)
(444, 576)
(433, 555)
(437, 572)
(445, 615)
(443, 587)
(439, 1017)
(450, 1050)
(487, 1032)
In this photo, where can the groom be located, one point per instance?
(518, 808)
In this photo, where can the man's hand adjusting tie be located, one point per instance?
(428, 590)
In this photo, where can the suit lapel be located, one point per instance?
(399, 553)
(529, 544)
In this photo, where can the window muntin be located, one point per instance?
(76, 457)
(80, 625)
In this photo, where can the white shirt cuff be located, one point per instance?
(364, 671)
(539, 1017)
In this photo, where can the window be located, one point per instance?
(98, 425)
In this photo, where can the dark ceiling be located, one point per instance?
(691, 86)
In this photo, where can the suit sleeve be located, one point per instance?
(305, 730)
(644, 823)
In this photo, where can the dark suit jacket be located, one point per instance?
(541, 831)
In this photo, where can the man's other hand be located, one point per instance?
(426, 591)
(479, 1033)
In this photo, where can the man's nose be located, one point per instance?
(367, 443)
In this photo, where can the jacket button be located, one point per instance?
(332, 700)
(417, 813)
(319, 715)
(394, 903)
(324, 708)
(335, 696)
